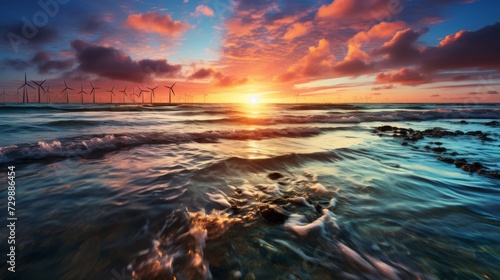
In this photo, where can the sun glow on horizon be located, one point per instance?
(253, 99)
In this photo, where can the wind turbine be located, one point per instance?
(170, 92)
(66, 91)
(17, 96)
(4, 95)
(297, 95)
(133, 95)
(82, 91)
(112, 91)
(48, 92)
(152, 93)
(93, 92)
(40, 85)
(124, 93)
(25, 90)
(141, 93)
(205, 97)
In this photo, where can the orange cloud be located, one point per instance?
(154, 22)
(318, 61)
(297, 29)
(378, 31)
(451, 38)
(404, 76)
(219, 79)
(203, 10)
(360, 9)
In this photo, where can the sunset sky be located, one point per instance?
(273, 51)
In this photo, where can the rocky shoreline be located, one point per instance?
(411, 136)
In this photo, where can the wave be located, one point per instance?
(306, 107)
(360, 117)
(86, 145)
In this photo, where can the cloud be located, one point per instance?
(114, 64)
(318, 61)
(154, 22)
(359, 9)
(465, 50)
(435, 95)
(492, 92)
(16, 64)
(203, 10)
(46, 65)
(401, 49)
(297, 30)
(219, 78)
(404, 76)
(352, 67)
(92, 24)
(388, 86)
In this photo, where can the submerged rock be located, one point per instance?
(492, 123)
(445, 159)
(459, 162)
(386, 128)
(439, 149)
(275, 175)
(272, 214)
(474, 167)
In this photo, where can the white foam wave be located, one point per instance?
(298, 224)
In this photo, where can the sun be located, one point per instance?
(253, 99)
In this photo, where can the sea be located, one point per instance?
(251, 191)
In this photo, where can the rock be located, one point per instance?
(439, 149)
(438, 143)
(272, 214)
(474, 167)
(492, 123)
(460, 162)
(474, 133)
(485, 137)
(427, 147)
(275, 175)
(404, 143)
(454, 154)
(459, 132)
(447, 160)
(386, 128)
(318, 208)
(463, 122)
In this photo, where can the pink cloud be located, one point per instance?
(297, 30)
(155, 22)
(203, 10)
(404, 76)
(219, 78)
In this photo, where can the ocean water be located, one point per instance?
(263, 191)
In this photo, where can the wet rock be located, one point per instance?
(454, 154)
(427, 147)
(280, 201)
(460, 162)
(386, 128)
(492, 123)
(318, 208)
(445, 159)
(404, 143)
(438, 143)
(272, 214)
(459, 132)
(439, 149)
(474, 133)
(489, 173)
(474, 167)
(485, 137)
(463, 122)
(275, 175)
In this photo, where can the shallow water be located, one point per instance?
(115, 192)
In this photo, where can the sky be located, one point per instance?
(254, 50)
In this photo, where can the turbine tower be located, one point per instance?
(82, 91)
(170, 92)
(66, 91)
(25, 90)
(40, 85)
(124, 93)
(93, 92)
(141, 93)
(48, 92)
(4, 95)
(112, 92)
(152, 93)
(205, 97)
